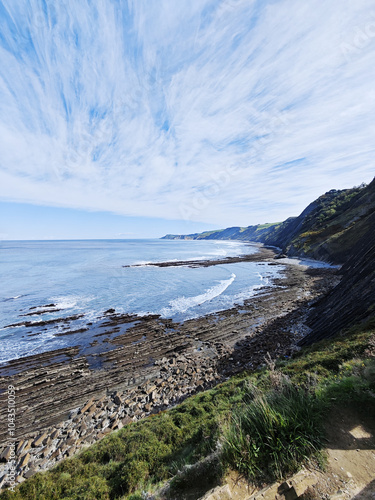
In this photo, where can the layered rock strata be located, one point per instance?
(65, 401)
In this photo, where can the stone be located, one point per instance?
(114, 424)
(47, 450)
(70, 451)
(55, 454)
(29, 473)
(127, 420)
(87, 406)
(104, 423)
(103, 433)
(20, 446)
(219, 493)
(6, 453)
(39, 440)
(300, 482)
(117, 400)
(55, 433)
(151, 389)
(91, 410)
(24, 460)
(70, 441)
(291, 494)
(154, 395)
(82, 427)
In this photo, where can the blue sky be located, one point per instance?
(150, 116)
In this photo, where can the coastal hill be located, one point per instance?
(339, 228)
(353, 300)
(328, 229)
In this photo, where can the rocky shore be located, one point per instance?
(65, 400)
(263, 254)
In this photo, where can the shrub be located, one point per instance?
(272, 434)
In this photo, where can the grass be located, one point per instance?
(267, 225)
(273, 433)
(266, 422)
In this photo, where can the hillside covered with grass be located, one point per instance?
(328, 229)
(264, 424)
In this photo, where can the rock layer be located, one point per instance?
(63, 403)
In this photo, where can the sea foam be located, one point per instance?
(182, 304)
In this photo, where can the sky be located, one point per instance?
(136, 118)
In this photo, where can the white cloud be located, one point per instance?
(227, 112)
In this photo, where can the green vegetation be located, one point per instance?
(333, 225)
(327, 229)
(267, 225)
(205, 234)
(264, 424)
(271, 435)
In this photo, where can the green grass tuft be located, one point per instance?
(273, 433)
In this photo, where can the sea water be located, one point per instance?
(87, 277)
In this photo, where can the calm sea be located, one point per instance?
(87, 277)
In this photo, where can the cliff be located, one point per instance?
(328, 229)
(338, 227)
(352, 301)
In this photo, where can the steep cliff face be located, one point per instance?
(328, 229)
(353, 300)
(338, 227)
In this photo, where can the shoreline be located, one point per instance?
(261, 255)
(66, 401)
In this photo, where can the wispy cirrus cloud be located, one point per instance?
(226, 111)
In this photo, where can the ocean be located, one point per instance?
(87, 278)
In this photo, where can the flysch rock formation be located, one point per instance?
(65, 401)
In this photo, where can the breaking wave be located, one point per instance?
(182, 304)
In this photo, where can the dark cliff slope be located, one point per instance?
(338, 227)
(328, 229)
(352, 301)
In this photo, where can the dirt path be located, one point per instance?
(349, 475)
(351, 454)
